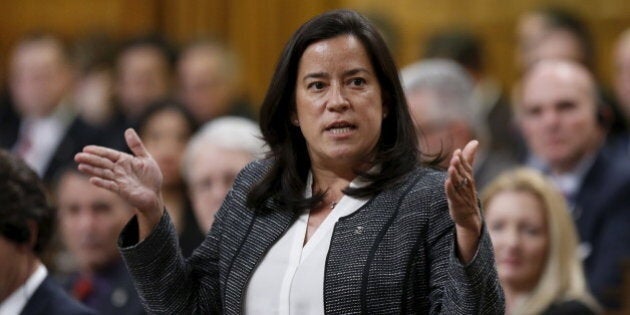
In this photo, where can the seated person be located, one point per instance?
(26, 224)
(90, 219)
(441, 102)
(535, 245)
(165, 127)
(209, 81)
(217, 153)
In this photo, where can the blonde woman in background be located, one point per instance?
(535, 246)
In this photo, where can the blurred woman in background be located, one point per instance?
(165, 128)
(535, 246)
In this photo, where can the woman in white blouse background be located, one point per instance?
(341, 218)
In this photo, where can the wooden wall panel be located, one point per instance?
(72, 19)
(258, 29)
(184, 20)
(495, 22)
(261, 34)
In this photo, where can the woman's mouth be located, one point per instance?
(340, 127)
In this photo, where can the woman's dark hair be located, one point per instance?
(162, 106)
(396, 150)
(23, 199)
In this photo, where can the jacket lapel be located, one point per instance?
(265, 229)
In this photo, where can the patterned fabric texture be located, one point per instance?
(394, 255)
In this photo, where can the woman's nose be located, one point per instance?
(337, 100)
(511, 238)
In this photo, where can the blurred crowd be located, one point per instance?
(553, 167)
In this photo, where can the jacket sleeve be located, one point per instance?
(166, 282)
(456, 288)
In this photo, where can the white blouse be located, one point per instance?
(290, 278)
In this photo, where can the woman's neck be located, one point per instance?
(513, 296)
(331, 183)
(330, 174)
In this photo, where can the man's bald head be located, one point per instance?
(563, 70)
(557, 113)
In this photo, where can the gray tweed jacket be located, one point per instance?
(395, 255)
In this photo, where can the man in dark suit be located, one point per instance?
(90, 220)
(40, 125)
(439, 93)
(561, 121)
(26, 222)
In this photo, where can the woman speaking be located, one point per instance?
(340, 218)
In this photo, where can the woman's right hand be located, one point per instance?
(136, 178)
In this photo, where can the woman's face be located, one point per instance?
(339, 107)
(518, 229)
(165, 136)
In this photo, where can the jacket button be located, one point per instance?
(358, 230)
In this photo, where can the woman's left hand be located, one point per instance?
(462, 200)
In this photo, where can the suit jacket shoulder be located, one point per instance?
(572, 307)
(602, 216)
(50, 299)
(78, 135)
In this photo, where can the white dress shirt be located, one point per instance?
(290, 278)
(14, 303)
(43, 136)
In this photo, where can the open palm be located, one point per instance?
(136, 178)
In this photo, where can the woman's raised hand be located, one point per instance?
(462, 200)
(136, 178)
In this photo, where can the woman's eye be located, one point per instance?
(532, 231)
(495, 226)
(358, 81)
(316, 85)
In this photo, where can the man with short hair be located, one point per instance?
(26, 224)
(90, 220)
(439, 93)
(213, 158)
(48, 132)
(144, 67)
(208, 81)
(559, 116)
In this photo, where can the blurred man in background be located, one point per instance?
(26, 226)
(560, 118)
(90, 220)
(144, 68)
(439, 94)
(47, 132)
(213, 158)
(208, 81)
(557, 33)
(490, 103)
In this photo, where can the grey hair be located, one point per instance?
(229, 132)
(452, 88)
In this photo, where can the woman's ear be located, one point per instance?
(385, 111)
